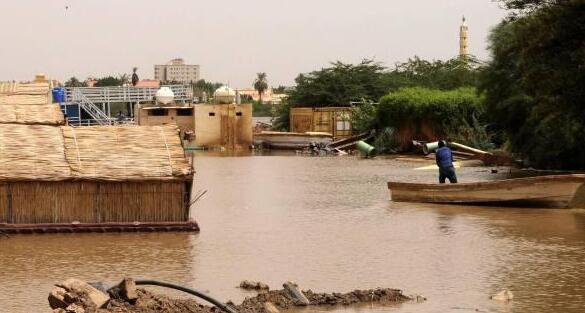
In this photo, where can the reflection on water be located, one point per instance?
(327, 224)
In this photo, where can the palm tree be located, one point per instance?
(261, 84)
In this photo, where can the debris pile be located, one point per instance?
(253, 285)
(76, 296)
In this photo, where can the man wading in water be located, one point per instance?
(444, 158)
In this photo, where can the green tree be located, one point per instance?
(74, 82)
(339, 85)
(201, 86)
(261, 84)
(109, 81)
(444, 75)
(534, 84)
(280, 89)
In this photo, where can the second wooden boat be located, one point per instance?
(554, 190)
(288, 140)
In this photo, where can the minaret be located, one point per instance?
(463, 40)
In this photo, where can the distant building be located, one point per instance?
(267, 97)
(176, 70)
(463, 40)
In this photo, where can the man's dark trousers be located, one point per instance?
(447, 172)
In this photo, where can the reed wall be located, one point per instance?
(93, 202)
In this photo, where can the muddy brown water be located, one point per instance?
(327, 224)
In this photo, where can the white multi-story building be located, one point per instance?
(176, 70)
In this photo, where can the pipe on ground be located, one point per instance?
(191, 291)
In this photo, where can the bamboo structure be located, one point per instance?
(48, 114)
(25, 88)
(55, 175)
(24, 99)
(92, 202)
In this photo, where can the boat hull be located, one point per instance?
(290, 141)
(549, 191)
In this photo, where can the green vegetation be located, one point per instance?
(202, 86)
(261, 84)
(74, 82)
(282, 116)
(262, 109)
(437, 74)
(534, 84)
(529, 97)
(109, 81)
(363, 116)
(422, 113)
(339, 84)
(346, 84)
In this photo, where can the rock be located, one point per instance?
(270, 307)
(253, 285)
(99, 286)
(128, 289)
(296, 294)
(85, 292)
(57, 298)
(504, 295)
(74, 308)
(59, 310)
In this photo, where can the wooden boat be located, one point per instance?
(554, 190)
(289, 140)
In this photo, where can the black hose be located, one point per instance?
(194, 292)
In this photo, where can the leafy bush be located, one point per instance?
(474, 135)
(282, 120)
(262, 109)
(385, 141)
(363, 116)
(445, 110)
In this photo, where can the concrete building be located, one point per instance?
(182, 116)
(176, 70)
(227, 126)
(463, 40)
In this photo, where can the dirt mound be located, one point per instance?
(127, 299)
(148, 302)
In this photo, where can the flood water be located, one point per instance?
(327, 224)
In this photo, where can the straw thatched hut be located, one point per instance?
(52, 174)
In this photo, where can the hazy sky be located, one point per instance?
(231, 39)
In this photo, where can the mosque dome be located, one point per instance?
(224, 95)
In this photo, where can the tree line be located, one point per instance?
(526, 99)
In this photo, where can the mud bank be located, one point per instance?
(79, 297)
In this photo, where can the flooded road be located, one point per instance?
(327, 224)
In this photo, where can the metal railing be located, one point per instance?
(93, 122)
(94, 111)
(125, 94)
(96, 101)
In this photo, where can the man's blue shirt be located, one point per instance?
(444, 157)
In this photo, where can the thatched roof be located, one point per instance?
(28, 103)
(32, 152)
(125, 152)
(25, 93)
(24, 88)
(48, 114)
(117, 153)
(24, 99)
